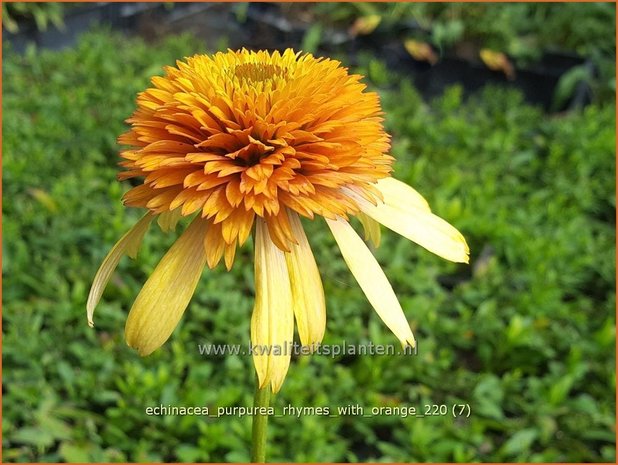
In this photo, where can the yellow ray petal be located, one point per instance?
(398, 194)
(371, 279)
(307, 290)
(129, 244)
(403, 212)
(371, 228)
(165, 296)
(168, 220)
(272, 322)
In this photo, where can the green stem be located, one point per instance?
(260, 422)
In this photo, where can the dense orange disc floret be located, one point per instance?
(241, 134)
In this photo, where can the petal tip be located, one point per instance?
(90, 314)
(313, 344)
(275, 384)
(263, 379)
(466, 253)
(142, 350)
(409, 341)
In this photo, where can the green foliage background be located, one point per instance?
(525, 335)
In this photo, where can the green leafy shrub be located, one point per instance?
(524, 31)
(42, 14)
(525, 335)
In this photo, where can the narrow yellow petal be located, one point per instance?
(404, 213)
(272, 322)
(398, 194)
(371, 228)
(230, 253)
(169, 219)
(307, 290)
(129, 244)
(165, 296)
(371, 279)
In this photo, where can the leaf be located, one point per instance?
(44, 199)
(498, 61)
(567, 84)
(446, 34)
(74, 454)
(420, 51)
(7, 20)
(35, 436)
(189, 454)
(241, 10)
(520, 442)
(312, 38)
(488, 395)
(365, 25)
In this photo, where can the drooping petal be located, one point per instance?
(371, 228)
(272, 322)
(307, 290)
(169, 219)
(165, 296)
(229, 254)
(214, 244)
(129, 244)
(371, 279)
(404, 213)
(400, 195)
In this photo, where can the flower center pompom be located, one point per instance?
(241, 134)
(253, 73)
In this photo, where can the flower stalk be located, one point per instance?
(261, 402)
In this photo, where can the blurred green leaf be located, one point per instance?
(312, 38)
(568, 84)
(520, 442)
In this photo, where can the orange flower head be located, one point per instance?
(244, 134)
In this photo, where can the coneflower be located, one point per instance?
(248, 142)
